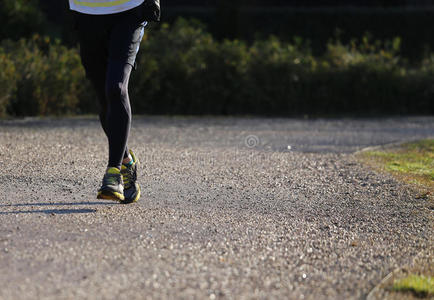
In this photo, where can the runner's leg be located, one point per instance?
(125, 37)
(104, 105)
(119, 111)
(94, 41)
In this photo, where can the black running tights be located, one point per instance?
(115, 111)
(108, 49)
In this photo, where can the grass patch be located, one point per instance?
(412, 162)
(420, 286)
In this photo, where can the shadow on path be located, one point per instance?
(62, 211)
(58, 204)
(50, 211)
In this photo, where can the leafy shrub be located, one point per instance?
(370, 77)
(177, 67)
(275, 76)
(8, 77)
(184, 70)
(49, 77)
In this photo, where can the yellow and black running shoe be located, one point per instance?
(129, 176)
(112, 186)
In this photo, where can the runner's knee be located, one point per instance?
(116, 91)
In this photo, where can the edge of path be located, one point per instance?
(380, 291)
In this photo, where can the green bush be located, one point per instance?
(275, 76)
(49, 78)
(181, 69)
(370, 77)
(8, 77)
(184, 70)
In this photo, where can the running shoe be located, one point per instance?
(112, 186)
(129, 176)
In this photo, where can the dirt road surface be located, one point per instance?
(231, 208)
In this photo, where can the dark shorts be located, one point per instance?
(109, 38)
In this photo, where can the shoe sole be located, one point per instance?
(106, 195)
(135, 199)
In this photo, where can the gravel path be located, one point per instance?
(228, 210)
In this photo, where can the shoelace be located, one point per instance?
(128, 176)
